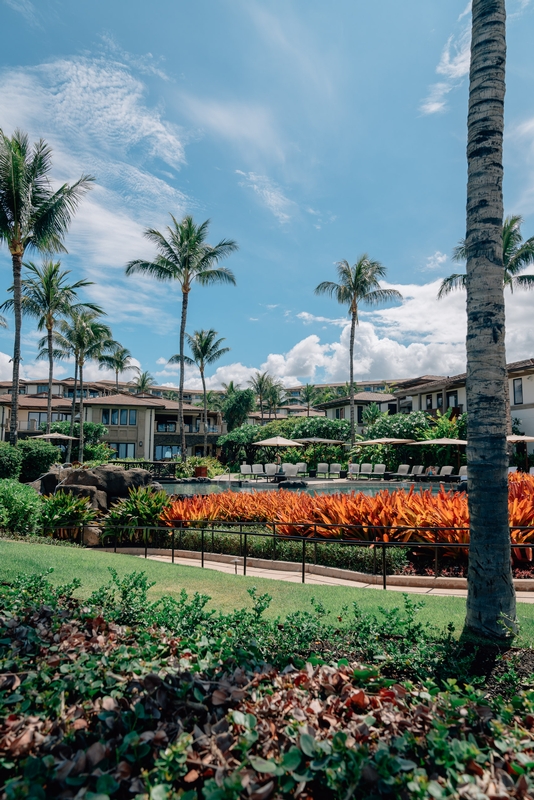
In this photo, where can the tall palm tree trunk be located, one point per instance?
(50, 378)
(80, 453)
(351, 375)
(17, 270)
(205, 413)
(185, 298)
(117, 380)
(491, 596)
(73, 409)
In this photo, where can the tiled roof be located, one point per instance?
(362, 397)
(31, 401)
(124, 399)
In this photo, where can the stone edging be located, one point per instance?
(418, 581)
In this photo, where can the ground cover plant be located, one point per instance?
(120, 697)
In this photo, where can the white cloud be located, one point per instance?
(248, 126)
(453, 65)
(309, 319)
(435, 261)
(269, 194)
(24, 7)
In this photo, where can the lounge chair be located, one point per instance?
(322, 469)
(531, 471)
(258, 471)
(290, 470)
(402, 472)
(353, 472)
(366, 470)
(444, 473)
(511, 470)
(246, 470)
(302, 468)
(271, 470)
(417, 472)
(335, 471)
(379, 471)
(461, 476)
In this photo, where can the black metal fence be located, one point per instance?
(145, 536)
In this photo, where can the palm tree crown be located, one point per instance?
(206, 349)
(119, 360)
(517, 254)
(143, 383)
(183, 255)
(359, 283)
(32, 215)
(260, 383)
(46, 296)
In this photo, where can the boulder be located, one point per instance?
(91, 536)
(156, 487)
(97, 497)
(111, 479)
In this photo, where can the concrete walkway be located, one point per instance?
(292, 576)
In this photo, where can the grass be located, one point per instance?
(227, 592)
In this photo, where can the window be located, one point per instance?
(340, 413)
(518, 391)
(452, 399)
(114, 416)
(105, 416)
(166, 451)
(42, 387)
(392, 408)
(40, 416)
(123, 449)
(439, 404)
(133, 416)
(124, 416)
(360, 414)
(429, 402)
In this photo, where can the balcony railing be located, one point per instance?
(173, 427)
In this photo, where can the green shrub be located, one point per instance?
(37, 458)
(142, 508)
(97, 454)
(10, 461)
(64, 510)
(187, 469)
(20, 507)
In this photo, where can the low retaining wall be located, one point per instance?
(417, 581)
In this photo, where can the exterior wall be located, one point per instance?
(525, 410)
(419, 401)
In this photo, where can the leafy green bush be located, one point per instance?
(187, 469)
(65, 510)
(10, 461)
(100, 453)
(37, 458)
(142, 508)
(20, 507)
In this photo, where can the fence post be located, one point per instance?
(273, 555)
(436, 550)
(172, 547)
(202, 547)
(115, 542)
(303, 559)
(245, 554)
(212, 541)
(146, 542)
(384, 571)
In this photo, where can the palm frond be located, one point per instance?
(455, 281)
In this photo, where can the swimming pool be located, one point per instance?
(190, 489)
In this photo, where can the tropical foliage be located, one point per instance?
(38, 455)
(64, 511)
(237, 406)
(20, 507)
(119, 359)
(10, 461)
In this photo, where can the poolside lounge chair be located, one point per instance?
(444, 473)
(302, 468)
(511, 470)
(258, 471)
(366, 470)
(335, 471)
(353, 472)
(402, 472)
(531, 471)
(379, 471)
(246, 470)
(322, 469)
(290, 470)
(417, 472)
(271, 470)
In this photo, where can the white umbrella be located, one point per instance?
(60, 436)
(277, 441)
(516, 438)
(385, 440)
(443, 441)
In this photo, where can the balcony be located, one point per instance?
(166, 427)
(197, 427)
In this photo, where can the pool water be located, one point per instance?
(190, 489)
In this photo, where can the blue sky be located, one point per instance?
(308, 132)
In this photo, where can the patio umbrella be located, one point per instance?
(445, 441)
(518, 439)
(385, 440)
(319, 440)
(277, 441)
(59, 436)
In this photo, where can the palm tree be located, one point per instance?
(490, 592)
(215, 401)
(308, 395)
(185, 256)
(275, 397)
(46, 296)
(170, 395)
(357, 284)
(119, 360)
(260, 383)
(143, 383)
(517, 254)
(32, 215)
(206, 350)
(230, 388)
(85, 338)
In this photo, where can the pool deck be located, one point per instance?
(236, 480)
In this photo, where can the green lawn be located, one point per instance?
(227, 592)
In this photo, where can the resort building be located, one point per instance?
(340, 407)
